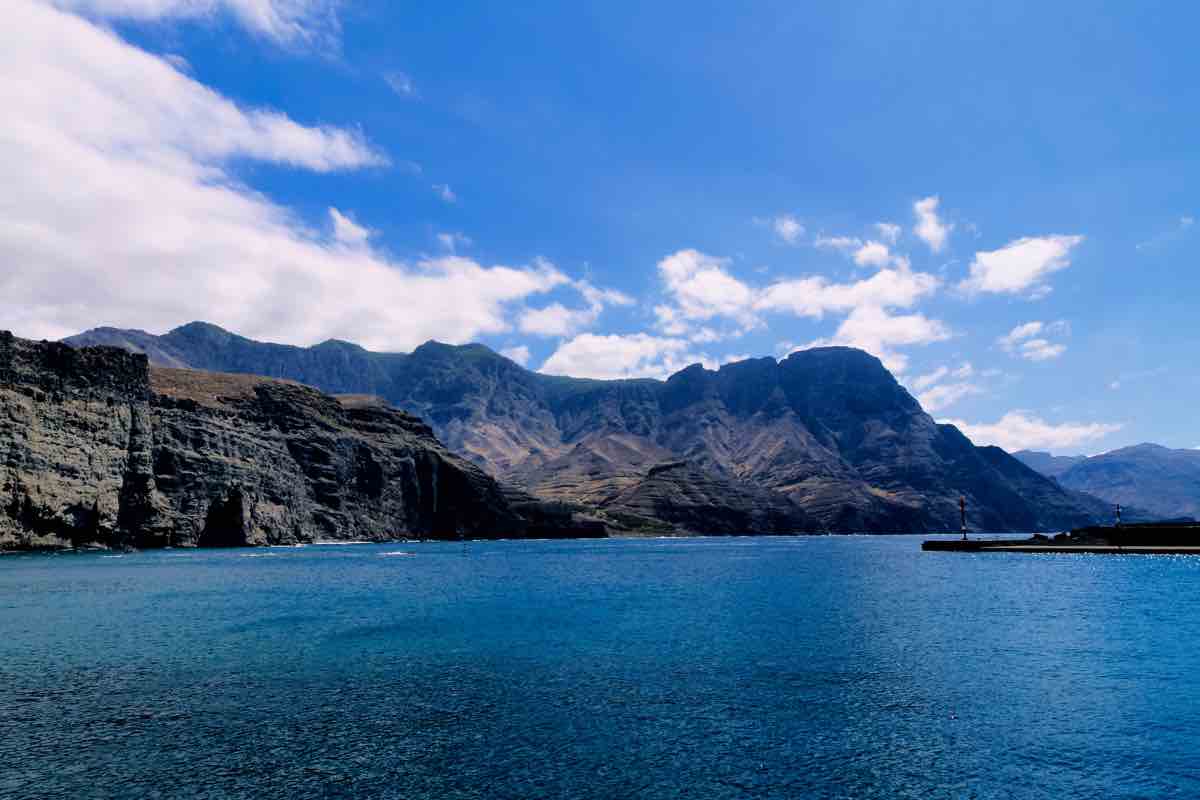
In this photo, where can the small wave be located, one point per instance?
(398, 553)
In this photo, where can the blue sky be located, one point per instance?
(995, 198)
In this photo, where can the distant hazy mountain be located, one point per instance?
(1048, 464)
(1158, 479)
(826, 437)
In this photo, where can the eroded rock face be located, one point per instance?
(98, 449)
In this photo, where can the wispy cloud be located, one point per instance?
(944, 387)
(402, 84)
(1180, 228)
(1031, 340)
(787, 228)
(1021, 430)
(450, 242)
(290, 22)
(888, 231)
(346, 230)
(929, 227)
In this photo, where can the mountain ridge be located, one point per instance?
(827, 430)
(1164, 481)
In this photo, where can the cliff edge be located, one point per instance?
(97, 448)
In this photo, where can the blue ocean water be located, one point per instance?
(854, 667)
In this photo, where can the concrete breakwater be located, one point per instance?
(1143, 538)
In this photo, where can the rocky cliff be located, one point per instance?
(829, 433)
(97, 448)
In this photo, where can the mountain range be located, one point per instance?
(1164, 482)
(825, 439)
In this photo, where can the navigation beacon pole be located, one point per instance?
(962, 509)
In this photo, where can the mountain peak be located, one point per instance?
(200, 328)
(339, 344)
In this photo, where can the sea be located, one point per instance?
(756, 667)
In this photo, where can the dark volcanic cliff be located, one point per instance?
(828, 433)
(98, 448)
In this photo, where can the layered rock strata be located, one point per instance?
(99, 449)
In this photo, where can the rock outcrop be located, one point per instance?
(99, 449)
(828, 431)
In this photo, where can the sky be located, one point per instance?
(995, 198)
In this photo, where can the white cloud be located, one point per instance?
(702, 287)
(878, 332)
(1029, 340)
(285, 21)
(868, 253)
(1020, 430)
(877, 254)
(1020, 265)
(519, 354)
(888, 231)
(558, 320)
(1041, 350)
(444, 191)
(929, 228)
(401, 83)
(346, 230)
(637, 355)
(787, 228)
(815, 296)
(872, 254)
(108, 98)
(120, 207)
(1187, 222)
